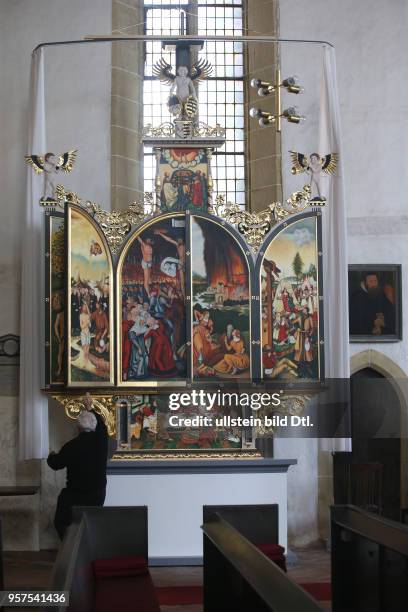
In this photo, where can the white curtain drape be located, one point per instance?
(335, 276)
(33, 413)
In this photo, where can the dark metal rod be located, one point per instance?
(144, 37)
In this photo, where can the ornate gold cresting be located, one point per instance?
(114, 224)
(255, 226)
(189, 455)
(168, 130)
(64, 196)
(102, 404)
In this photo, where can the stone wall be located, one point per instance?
(27, 521)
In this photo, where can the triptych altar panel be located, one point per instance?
(184, 300)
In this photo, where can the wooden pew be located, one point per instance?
(237, 576)
(259, 523)
(256, 522)
(104, 533)
(369, 562)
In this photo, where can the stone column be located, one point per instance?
(263, 145)
(127, 106)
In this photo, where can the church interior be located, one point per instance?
(203, 362)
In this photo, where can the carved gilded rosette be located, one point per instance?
(291, 405)
(102, 404)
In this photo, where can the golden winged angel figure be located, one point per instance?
(314, 166)
(49, 165)
(183, 95)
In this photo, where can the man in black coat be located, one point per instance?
(85, 458)
(371, 312)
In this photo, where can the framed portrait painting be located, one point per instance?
(375, 313)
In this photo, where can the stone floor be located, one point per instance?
(32, 570)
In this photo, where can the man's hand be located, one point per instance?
(379, 323)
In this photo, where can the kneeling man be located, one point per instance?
(85, 458)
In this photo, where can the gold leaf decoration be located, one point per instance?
(254, 226)
(114, 224)
(102, 404)
(186, 455)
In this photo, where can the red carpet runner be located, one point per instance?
(184, 596)
(179, 596)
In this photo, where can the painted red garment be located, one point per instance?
(161, 361)
(269, 361)
(283, 333)
(126, 345)
(197, 198)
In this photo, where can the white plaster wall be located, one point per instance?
(369, 38)
(302, 488)
(370, 43)
(78, 100)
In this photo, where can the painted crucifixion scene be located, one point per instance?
(153, 324)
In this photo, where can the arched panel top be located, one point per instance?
(90, 304)
(133, 235)
(220, 274)
(232, 232)
(151, 298)
(289, 273)
(282, 227)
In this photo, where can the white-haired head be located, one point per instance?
(87, 421)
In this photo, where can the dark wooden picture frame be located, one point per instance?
(375, 316)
